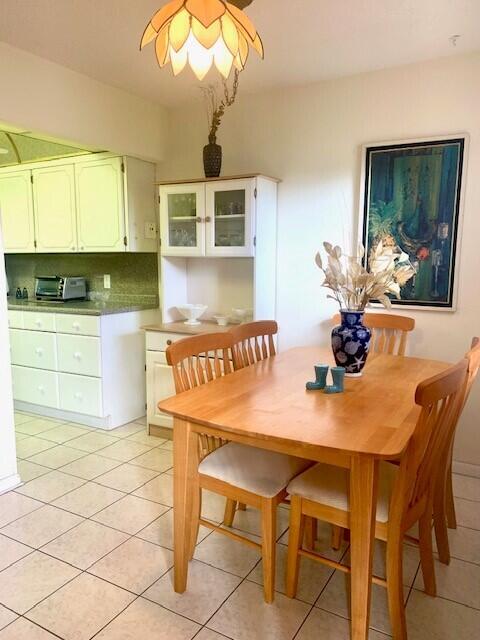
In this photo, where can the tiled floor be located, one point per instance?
(86, 552)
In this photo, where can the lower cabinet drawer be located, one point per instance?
(79, 354)
(80, 394)
(15, 319)
(78, 324)
(33, 349)
(39, 321)
(35, 386)
(159, 341)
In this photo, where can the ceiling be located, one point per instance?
(306, 41)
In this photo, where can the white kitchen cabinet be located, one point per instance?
(100, 205)
(35, 386)
(37, 321)
(16, 207)
(33, 349)
(159, 386)
(213, 218)
(79, 354)
(80, 394)
(54, 206)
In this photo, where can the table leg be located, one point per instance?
(185, 483)
(363, 500)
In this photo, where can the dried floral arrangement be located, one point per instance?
(216, 106)
(353, 286)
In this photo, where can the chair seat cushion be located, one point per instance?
(262, 472)
(329, 485)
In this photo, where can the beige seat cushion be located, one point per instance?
(329, 485)
(264, 473)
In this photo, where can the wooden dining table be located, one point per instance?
(266, 405)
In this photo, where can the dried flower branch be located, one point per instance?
(215, 106)
(353, 286)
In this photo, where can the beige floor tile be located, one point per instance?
(208, 634)
(250, 520)
(90, 466)
(160, 531)
(81, 608)
(11, 551)
(146, 620)
(88, 499)
(466, 487)
(459, 581)
(22, 418)
(168, 444)
(31, 579)
(227, 554)
(321, 624)
(245, 615)
(313, 576)
(143, 438)
(468, 513)
(57, 457)
(13, 506)
(29, 470)
(464, 544)
(160, 489)
(19, 437)
(336, 599)
(142, 420)
(50, 486)
(6, 616)
(30, 446)
(207, 589)
(438, 619)
(130, 514)
(124, 450)
(156, 459)
(127, 430)
(126, 477)
(92, 441)
(23, 629)
(33, 427)
(135, 565)
(213, 508)
(41, 526)
(323, 544)
(411, 561)
(63, 433)
(85, 544)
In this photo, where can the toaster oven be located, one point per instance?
(60, 288)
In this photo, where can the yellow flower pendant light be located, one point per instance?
(202, 33)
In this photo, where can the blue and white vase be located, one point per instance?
(351, 342)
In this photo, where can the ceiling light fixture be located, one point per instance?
(202, 33)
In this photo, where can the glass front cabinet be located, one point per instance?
(214, 218)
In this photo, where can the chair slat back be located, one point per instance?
(439, 397)
(198, 360)
(252, 342)
(389, 332)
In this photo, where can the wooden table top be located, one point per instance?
(375, 415)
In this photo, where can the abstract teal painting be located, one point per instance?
(412, 202)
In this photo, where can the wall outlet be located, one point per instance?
(106, 281)
(150, 230)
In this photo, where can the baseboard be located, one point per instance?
(466, 469)
(12, 482)
(160, 432)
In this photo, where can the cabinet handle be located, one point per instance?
(41, 388)
(82, 248)
(39, 351)
(169, 342)
(72, 248)
(199, 219)
(208, 219)
(77, 355)
(78, 395)
(76, 326)
(38, 323)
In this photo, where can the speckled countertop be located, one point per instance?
(83, 307)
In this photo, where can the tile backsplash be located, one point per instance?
(132, 275)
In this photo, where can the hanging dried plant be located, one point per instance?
(216, 106)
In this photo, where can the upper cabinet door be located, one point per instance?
(182, 220)
(230, 206)
(100, 205)
(16, 207)
(54, 204)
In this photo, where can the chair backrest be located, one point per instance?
(473, 357)
(252, 342)
(387, 330)
(197, 360)
(439, 398)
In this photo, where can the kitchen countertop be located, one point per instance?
(191, 330)
(81, 307)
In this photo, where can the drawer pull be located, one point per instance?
(39, 351)
(41, 388)
(78, 395)
(169, 342)
(38, 323)
(76, 326)
(77, 355)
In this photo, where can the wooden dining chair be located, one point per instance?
(253, 341)
(389, 332)
(240, 473)
(444, 505)
(405, 494)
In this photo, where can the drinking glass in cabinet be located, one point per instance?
(230, 218)
(182, 217)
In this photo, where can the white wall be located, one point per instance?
(39, 95)
(311, 138)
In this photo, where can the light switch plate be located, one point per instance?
(150, 230)
(106, 281)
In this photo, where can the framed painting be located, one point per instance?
(411, 199)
